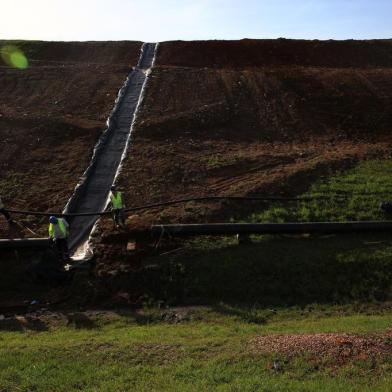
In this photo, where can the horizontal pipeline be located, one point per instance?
(229, 229)
(270, 228)
(18, 243)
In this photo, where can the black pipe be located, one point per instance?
(24, 243)
(270, 228)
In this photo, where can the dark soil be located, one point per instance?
(228, 118)
(271, 53)
(218, 118)
(51, 115)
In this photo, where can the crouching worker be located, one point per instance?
(117, 207)
(5, 212)
(58, 232)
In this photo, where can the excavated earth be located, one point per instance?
(51, 115)
(255, 117)
(218, 118)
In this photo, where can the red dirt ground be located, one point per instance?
(281, 52)
(219, 118)
(51, 115)
(255, 117)
(333, 347)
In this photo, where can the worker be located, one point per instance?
(5, 212)
(58, 232)
(117, 207)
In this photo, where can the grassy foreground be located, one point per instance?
(210, 349)
(276, 279)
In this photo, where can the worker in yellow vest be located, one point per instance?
(58, 232)
(117, 207)
(5, 212)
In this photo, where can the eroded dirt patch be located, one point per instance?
(332, 346)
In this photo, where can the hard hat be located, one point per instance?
(53, 220)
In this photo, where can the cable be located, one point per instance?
(171, 202)
(162, 204)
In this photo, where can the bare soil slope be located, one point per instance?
(280, 52)
(219, 118)
(246, 117)
(51, 115)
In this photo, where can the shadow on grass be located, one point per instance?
(251, 314)
(80, 321)
(20, 323)
(277, 271)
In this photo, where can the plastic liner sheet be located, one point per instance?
(91, 193)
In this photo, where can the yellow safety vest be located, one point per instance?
(58, 231)
(116, 200)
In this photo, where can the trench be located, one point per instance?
(91, 194)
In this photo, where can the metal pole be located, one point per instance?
(270, 228)
(24, 243)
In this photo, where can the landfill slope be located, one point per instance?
(51, 116)
(218, 118)
(255, 117)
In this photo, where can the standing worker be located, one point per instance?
(58, 232)
(5, 212)
(117, 207)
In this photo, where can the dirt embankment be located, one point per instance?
(280, 52)
(90, 52)
(246, 117)
(51, 115)
(218, 118)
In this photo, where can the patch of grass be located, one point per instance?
(352, 195)
(10, 185)
(291, 270)
(217, 161)
(276, 272)
(211, 353)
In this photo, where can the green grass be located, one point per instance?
(10, 185)
(218, 161)
(210, 352)
(248, 288)
(291, 270)
(276, 272)
(352, 195)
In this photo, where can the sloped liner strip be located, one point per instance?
(91, 193)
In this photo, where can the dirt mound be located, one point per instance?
(114, 53)
(51, 115)
(333, 347)
(257, 53)
(267, 104)
(268, 129)
(256, 122)
(218, 118)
